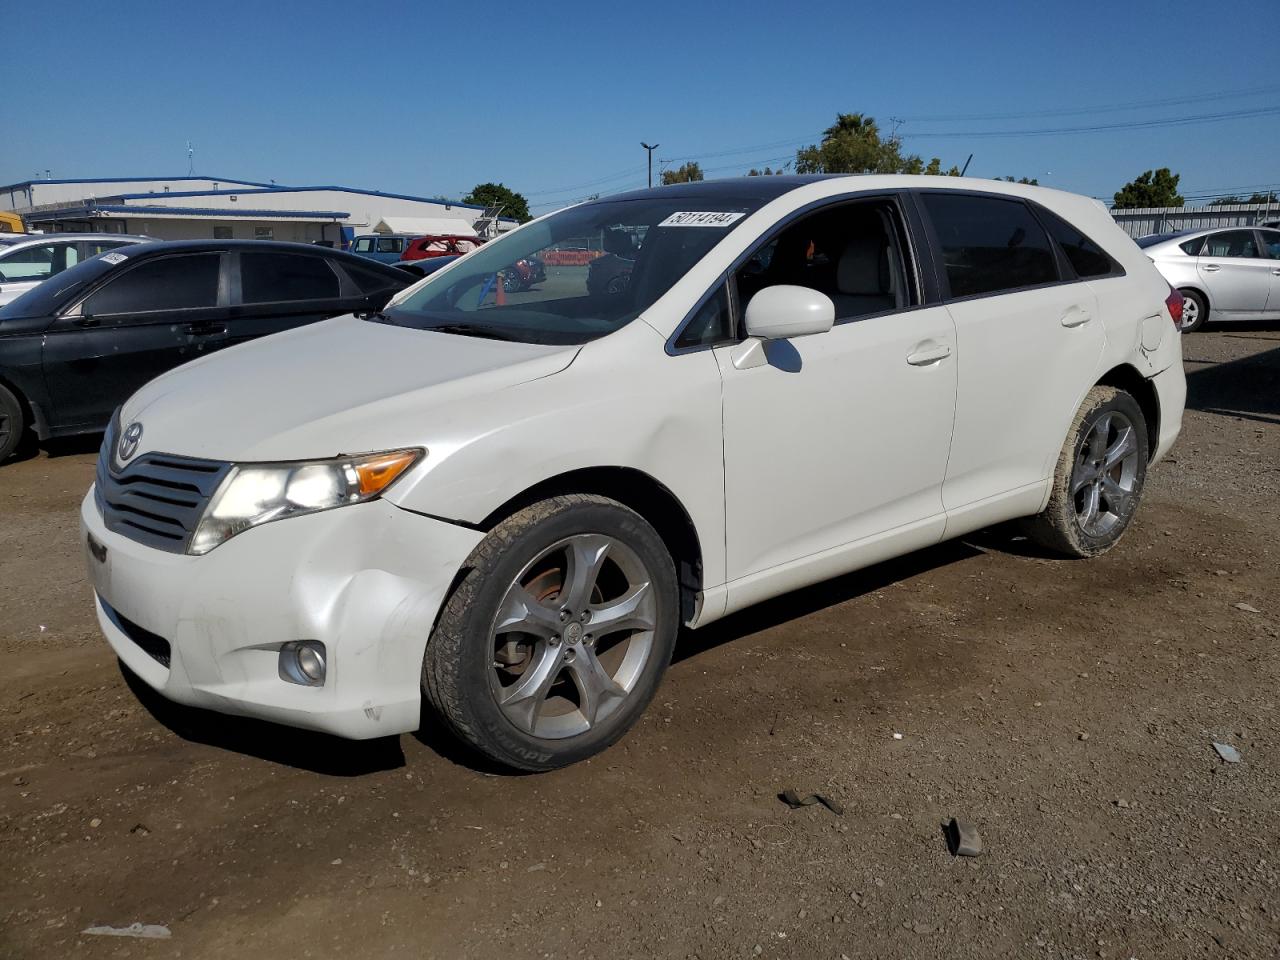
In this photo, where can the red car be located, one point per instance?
(440, 245)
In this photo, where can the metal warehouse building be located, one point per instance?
(190, 208)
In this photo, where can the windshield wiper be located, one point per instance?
(472, 330)
(377, 316)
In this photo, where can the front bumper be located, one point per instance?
(366, 580)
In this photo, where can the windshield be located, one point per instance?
(577, 275)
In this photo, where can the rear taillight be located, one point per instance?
(1174, 302)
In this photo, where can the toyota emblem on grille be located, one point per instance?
(129, 441)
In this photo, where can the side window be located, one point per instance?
(32, 263)
(370, 281)
(1192, 247)
(1271, 243)
(94, 247)
(264, 233)
(1085, 256)
(711, 324)
(276, 277)
(222, 233)
(989, 244)
(364, 245)
(68, 256)
(390, 244)
(169, 283)
(852, 252)
(1231, 243)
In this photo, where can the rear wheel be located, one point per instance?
(1099, 477)
(13, 423)
(555, 640)
(1195, 311)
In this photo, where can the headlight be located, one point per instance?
(256, 493)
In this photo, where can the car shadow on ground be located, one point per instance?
(1248, 388)
(829, 593)
(301, 749)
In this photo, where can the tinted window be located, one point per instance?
(170, 283)
(273, 277)
(371, 281)
(989, 244)
(1271, 243)
(1232, 243)
(1192, 247)
(711, 324)
(1085, 256)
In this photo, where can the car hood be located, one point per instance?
(341, 386)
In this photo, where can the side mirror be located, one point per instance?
(783, 312)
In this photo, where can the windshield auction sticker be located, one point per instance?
(695, 218)
(114, 257)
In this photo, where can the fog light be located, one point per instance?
(303, 661)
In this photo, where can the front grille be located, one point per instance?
(158, 498)
(152, 644)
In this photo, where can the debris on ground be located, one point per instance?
(794, 801)
(962, 838)
(897, 736)
(144, 931)
(1247, 608)
(1227, 752)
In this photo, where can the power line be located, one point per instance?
(1109, 108)
(1101, 127)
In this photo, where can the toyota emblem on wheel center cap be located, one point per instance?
(128, 445)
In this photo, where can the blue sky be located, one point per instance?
(408, 97)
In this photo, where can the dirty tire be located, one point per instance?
(1058, 527)
(460, 652)
(13, 423)
(1201, 311)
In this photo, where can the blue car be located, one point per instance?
(383, 247)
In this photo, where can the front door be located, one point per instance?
(1236, 275)
(839, 437)
(150, 318)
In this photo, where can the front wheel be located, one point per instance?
(1099, 477)
(12, 423)
(555, 640)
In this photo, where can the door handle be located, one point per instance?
(1211, 268)
(923, 355)
(206, 329)
(1076, 316)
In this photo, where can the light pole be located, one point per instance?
(650, 149)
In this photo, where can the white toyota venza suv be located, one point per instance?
(511, 501)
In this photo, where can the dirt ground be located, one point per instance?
(1068, 709)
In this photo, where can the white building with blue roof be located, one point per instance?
(194, 208)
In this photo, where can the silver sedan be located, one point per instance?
(1225, 274)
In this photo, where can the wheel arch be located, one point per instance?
(640, 492)
(1129, 379)
(1198, 289)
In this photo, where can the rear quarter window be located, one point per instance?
(1086, 257)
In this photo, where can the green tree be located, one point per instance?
(1263, 198)
(853, 144)
(496, 194)
(766, 172)
(1030, 181)
(686, 173)
(1223, 201)
(1155, 188)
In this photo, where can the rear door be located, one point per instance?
(142, 321)
(273, 291)
(1028, 344)
(1271, 250)
(1235, 274)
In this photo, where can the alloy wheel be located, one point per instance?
(572, 636)
(1190, 313)
(1104, 477)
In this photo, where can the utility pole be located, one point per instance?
(650, 149)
